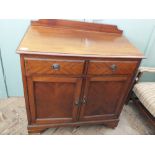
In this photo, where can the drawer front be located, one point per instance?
(57, 67)
(111, 67)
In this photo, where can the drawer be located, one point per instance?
(111, 67)
(52, 66)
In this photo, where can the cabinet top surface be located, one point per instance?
(41, 38)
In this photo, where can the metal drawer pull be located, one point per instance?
(77, 102)
(113, 67)
(84, 100)
(56, 66)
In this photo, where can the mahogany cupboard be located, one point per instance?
(75, 73)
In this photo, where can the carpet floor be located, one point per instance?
(13, 121)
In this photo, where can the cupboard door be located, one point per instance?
(53, 99)
(103, 97)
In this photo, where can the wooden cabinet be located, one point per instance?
(75, 74)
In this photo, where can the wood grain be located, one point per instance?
(77, 42)
(52, 99)
(77, 25)
(44, 66)
(105, 67)
(102, 97)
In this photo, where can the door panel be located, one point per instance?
(102, 97)
(53, 99)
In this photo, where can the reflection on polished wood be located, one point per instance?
(76, 41)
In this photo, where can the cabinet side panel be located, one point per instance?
(129, 87)
(25, 88)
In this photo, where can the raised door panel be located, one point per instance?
(103, 97)
(53, 99)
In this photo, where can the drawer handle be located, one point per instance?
(77, 102)
(84, 100)
(113, 67)
(56, 66)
